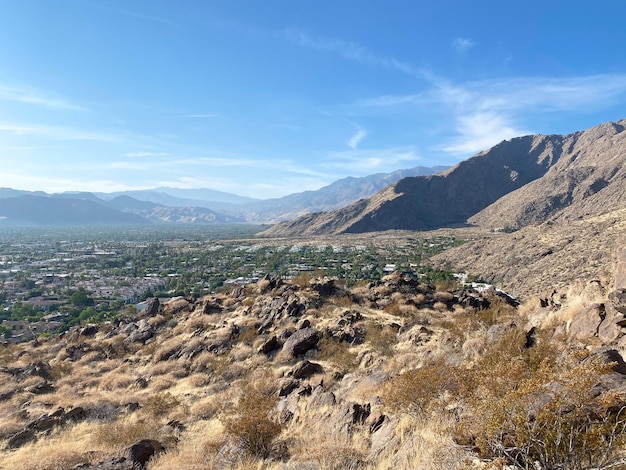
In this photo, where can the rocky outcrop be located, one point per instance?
(301, 341)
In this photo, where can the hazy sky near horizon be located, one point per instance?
(268, 98)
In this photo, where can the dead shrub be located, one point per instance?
(121, 433)
(251, 426)
(381, 337)
(338, 353)
(421, 390)
(344, 301)
(329, 457)
(161, 404)
(530, 405)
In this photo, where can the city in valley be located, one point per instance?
(54, 278)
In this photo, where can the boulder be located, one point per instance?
(306, 369)
(152, 306)
(585, 324)
(142, 451)
(321, 400)
(269, 345)
(89, 330)
(20, 438)
(286, 386)
(301, 341)
(142, 334)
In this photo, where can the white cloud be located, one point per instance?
(480, 131)
(354, 141)
(486, 112)
(352, 51)
(36, 97)
(462, 45)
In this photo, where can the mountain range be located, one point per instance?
(175, 205)
(522, 181)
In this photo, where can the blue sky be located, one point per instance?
(267, 98)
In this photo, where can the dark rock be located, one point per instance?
(76, 414)
(40, 388)
(144, 450)
(301, 341)
(375, 421)
(287, 386)
(44, 423)
(614, 356)
(22, 437)
(141, 335)
(211, 306)
(306, 323)
(305, 370)
(89, 330)
(140, 383)
(531, 340)
(324, 288)
(269, 345)
(152, 306)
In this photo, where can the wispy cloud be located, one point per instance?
(362, 162)
(36, 97)
(132, 14)
(486, 112)
(145, 154)
(57, 132)
(462, 45)
(352, 51)
(193, 116)
(202, 116)
(356, 139)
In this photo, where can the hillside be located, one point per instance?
(525, 180)
(538, 259)
(588, 179)
(311, 374)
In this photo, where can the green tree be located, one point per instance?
(80, 298)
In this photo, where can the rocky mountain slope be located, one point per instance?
(311, 374)
(538, 259)
(588, 179)
(336, 195)
(525, 180)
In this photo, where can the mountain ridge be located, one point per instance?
(473, 191)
